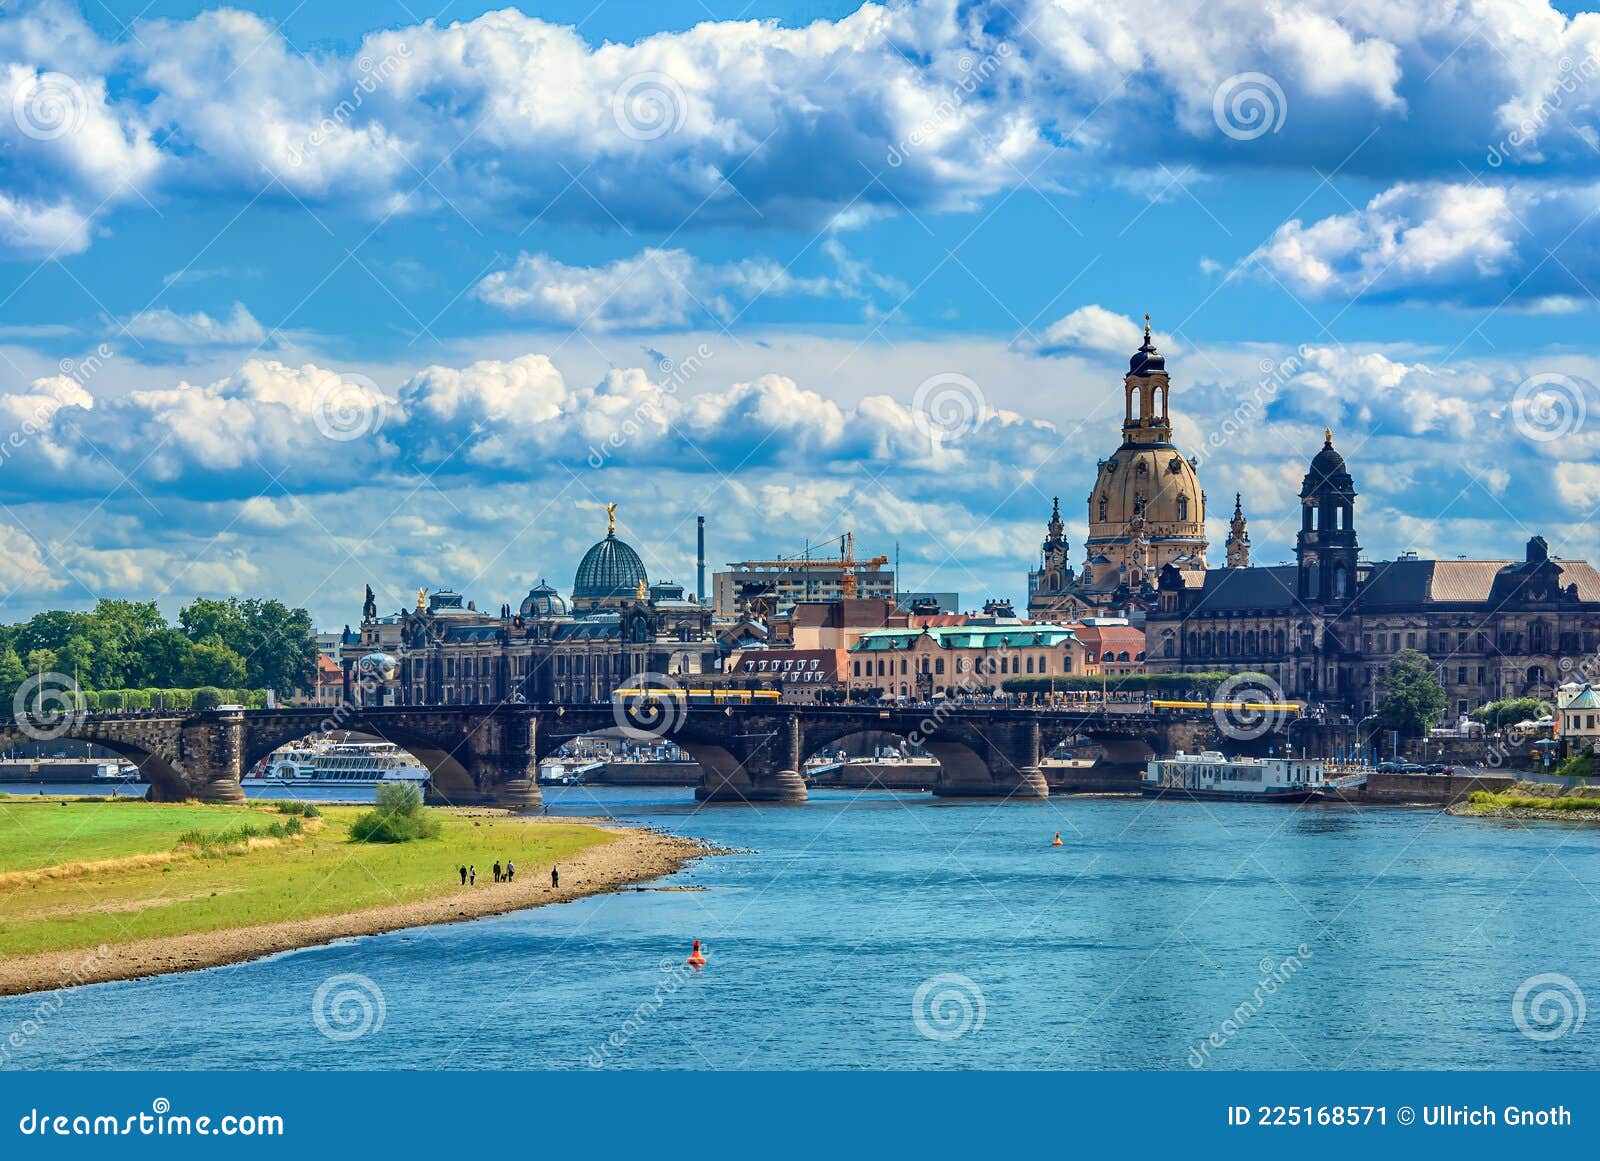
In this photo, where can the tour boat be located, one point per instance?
(340, 764)
(1211, 774)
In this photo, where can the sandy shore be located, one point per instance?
(634, 855)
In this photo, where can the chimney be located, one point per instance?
(700, 561)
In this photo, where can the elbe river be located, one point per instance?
(888, 931)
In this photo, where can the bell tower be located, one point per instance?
(1238, 543)
(1145, 389)
(1326, 549)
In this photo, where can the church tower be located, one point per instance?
(1238, 543)
(1147, 509)
(1326, 549)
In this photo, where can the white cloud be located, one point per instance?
(660, 289)
(1525, 247)
(927, 106)
(239, 329)
(1095, 330)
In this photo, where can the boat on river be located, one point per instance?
(1211, 774)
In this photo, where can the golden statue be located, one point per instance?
(1327, 436)
(422, 600)
(611, 519)
(640, 592)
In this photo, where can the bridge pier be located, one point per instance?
(754, 779)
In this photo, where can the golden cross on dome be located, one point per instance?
(1147, 326)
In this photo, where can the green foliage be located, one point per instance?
(207, 697)
(399, 817)
(1509, 711)
(1484, 800)
(303, 809)
(1412, 696)
(125, 645)
(1578, 766)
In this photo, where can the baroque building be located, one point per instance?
(1325, 627)
(616, 626)
(1146, 511)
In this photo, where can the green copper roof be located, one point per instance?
(966, 637)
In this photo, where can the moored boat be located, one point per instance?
(1210, 774)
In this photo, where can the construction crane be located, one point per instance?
(845, 562)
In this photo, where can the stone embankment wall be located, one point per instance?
(1432, 789)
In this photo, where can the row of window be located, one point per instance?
(1000, 664)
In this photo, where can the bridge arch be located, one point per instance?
(448, 776)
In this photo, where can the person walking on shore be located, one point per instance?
(497, 870)
(555, 878)
(463, 874)
(472, 874)
(511, 870)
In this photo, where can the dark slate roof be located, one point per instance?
(1228, 589)
(1388, 583)
(471, 634)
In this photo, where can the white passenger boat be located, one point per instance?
(340, 764)
(1211, 774)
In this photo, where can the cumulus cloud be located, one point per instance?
(1093, 329)
(908, 105)
(1526, 246)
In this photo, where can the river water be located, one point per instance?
(884, 931)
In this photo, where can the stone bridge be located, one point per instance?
(490, 755)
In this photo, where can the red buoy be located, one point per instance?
(1056, 842)
(697, 957)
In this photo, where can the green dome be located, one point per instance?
(610, 570)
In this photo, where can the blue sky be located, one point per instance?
(295, 298)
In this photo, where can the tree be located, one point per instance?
(277, 643)
(12, 675)
(213, 663)
(1509, 711)
(1412, 697)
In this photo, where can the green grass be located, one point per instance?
(108, 872)
(1483, 800)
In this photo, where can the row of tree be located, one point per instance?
(128, 645)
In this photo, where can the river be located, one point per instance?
(884, 931)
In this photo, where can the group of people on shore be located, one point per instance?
(506, 874)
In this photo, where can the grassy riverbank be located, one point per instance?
(229, 882)
(1532, 800)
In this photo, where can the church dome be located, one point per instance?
(543, 601)
(1147, 360)
(611, 570)
(1328, 472)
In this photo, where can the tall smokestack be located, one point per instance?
(700, 561)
